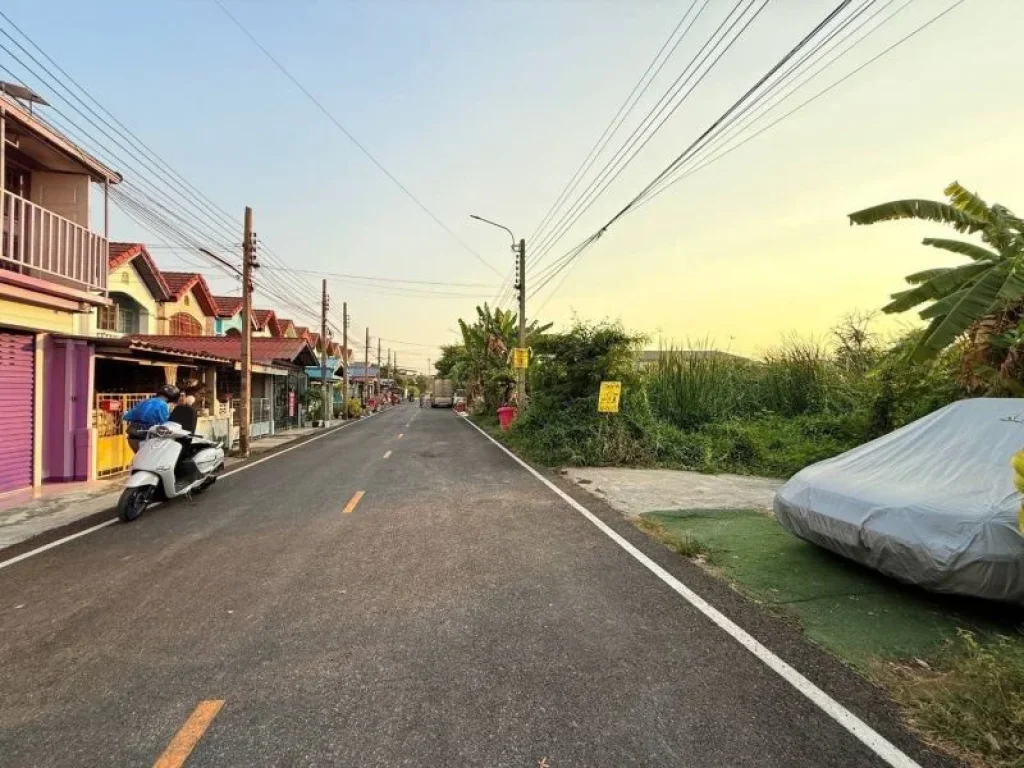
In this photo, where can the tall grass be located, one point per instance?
(694, 387)
(800, 377)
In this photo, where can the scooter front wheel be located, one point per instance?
(133, 503)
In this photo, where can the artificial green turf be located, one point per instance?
(858, 614)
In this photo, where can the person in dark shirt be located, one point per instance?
(184, 413)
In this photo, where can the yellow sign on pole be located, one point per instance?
(520, 357)
(608, 397)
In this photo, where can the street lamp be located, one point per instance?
(495, 224)
(520, 251)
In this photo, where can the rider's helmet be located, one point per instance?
(170, 392)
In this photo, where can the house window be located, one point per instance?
(183, 324)
(127, 320)
(106, 319)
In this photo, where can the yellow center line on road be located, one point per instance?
(353, 503)
(386, 454)
(191, 732)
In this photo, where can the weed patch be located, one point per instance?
(971, 697)
(684, 544)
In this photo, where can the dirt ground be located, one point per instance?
(636, 491)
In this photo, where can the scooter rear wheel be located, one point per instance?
(133, 503)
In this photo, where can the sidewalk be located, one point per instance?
(30, 513)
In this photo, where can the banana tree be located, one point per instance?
(955, 299)
(486, 344)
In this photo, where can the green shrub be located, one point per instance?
(354, 409)
(713, 412)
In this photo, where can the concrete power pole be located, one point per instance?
(366, 367)
(344, 355)
(325, 388)
(378, 366)
(521, 373)
(248, 262)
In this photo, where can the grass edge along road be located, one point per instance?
(956, 668)
(856, 727)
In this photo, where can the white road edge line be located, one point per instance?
(93, 529)
(877, 743)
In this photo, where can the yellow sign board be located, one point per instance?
(608, 397)
(520, 357)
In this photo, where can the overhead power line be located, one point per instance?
(653, 189)
(622, 113)
(735, 105)
(697, 69)
(166, 189)
(713, 157)
(348, 134)
(344, 276)
(625, 109)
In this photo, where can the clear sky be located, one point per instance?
(488, 107)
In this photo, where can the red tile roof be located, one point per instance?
(179, 282)
(264, 351)
(119, 254)
(283, 325)
(261, 317)
(228, 306)
(182, 282)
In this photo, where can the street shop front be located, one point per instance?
(278, 382)
(126, 374)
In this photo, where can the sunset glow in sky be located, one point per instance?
(488, 107)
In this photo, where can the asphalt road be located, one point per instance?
(460, 614)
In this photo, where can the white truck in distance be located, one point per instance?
(442, 394)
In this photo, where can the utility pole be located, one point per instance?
(378, 366)
(520, 372)
(344, 356)
(366, 367)
(248, 262)
(325, 388)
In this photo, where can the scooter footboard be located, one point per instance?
(141, 479)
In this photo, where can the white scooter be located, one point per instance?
(160, 472)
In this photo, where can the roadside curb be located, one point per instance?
(102, 517)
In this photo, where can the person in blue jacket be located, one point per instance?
(149, 413)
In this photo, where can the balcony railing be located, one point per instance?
(39, 243)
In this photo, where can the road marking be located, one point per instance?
(853, 724)
(400, 435)
(386, 454)
(191, 732)
(353, 503)
(93, 529)
(57, 543)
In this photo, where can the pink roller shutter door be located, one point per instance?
(17, 397)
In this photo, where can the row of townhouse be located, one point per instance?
(89, 326)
